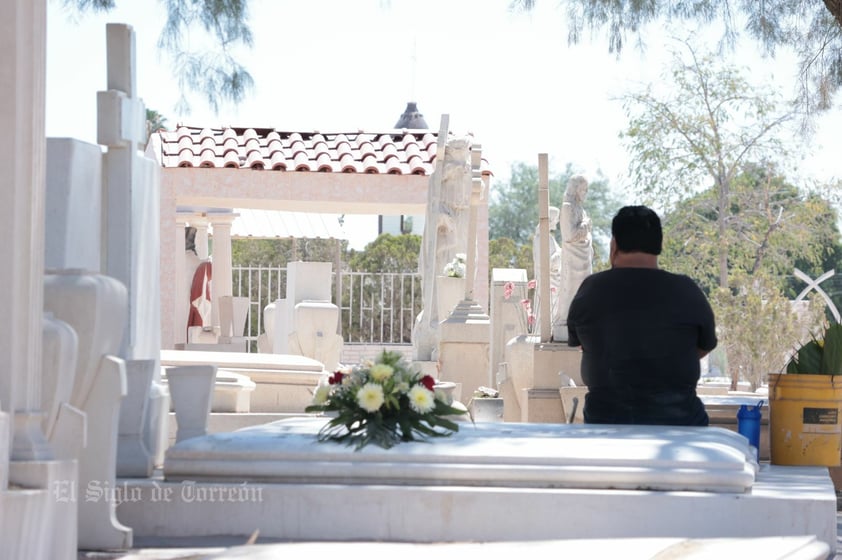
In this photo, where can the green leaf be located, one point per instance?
(832, 351)
(810, 357)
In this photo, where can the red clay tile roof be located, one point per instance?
(397, 152)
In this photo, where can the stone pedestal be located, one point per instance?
(133, 457)
(232, 392)
(507, 313)
(22, 516)
(464, 347)
(314, 332)
(305, 281)
(543, 400)
(534, 373)
(57, 492)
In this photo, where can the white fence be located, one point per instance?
(376, 309)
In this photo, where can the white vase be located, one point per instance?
(191, 389)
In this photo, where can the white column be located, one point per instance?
(22, 157)
(201, 225)
(476, 195)
(182, 293)
(545, 328)
(221, 259)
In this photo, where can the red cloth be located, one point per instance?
(201, 281)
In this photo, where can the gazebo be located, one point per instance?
(359, 172)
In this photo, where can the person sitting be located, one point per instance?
(642, 331)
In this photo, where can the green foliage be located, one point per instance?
(513, 215)
(813, 29)
(388, 253)
(155, 121)
(212, 71)
(704, 133)
(513, 207)
(820, 355)
(771, 228)
(505, 253)
(757, 325)
(278, 252)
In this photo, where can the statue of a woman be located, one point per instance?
(576, 250)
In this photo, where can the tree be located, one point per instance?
(759, 327)
(813, 29)
(213, 72)
(513, 216)
(388, 253)
(155, 122)
(278, 252)
(772, 228)
(705, 130)
(505, 253)
(393, 255)
(513, 207)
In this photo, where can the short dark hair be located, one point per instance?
(637, 229)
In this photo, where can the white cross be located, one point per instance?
(814, 285)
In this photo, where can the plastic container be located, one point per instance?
(748, 424)
(805, 421)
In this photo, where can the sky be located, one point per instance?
(509, 79)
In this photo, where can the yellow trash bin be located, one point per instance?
(805, 420)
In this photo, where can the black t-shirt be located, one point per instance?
(640, 330)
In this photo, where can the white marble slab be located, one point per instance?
(768, 548)
(783, 502)
(240, 360)
(489, 455)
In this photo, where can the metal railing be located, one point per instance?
(375, 308)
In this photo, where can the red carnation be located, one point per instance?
(336, 378)
(428, 382)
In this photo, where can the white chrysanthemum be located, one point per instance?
(370, 397)
(321, 394)
(421, 399)
(381, 372)
(402, 387)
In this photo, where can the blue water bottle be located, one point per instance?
(748, 424)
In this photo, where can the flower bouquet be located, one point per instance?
(457, 267)
(384, 402)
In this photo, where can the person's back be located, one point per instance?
(642, 332)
